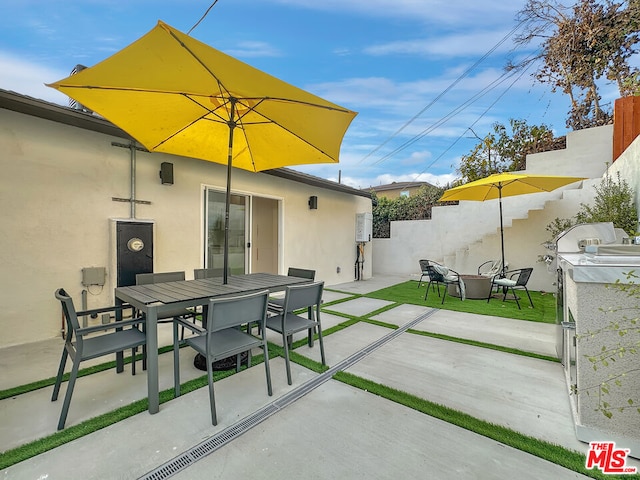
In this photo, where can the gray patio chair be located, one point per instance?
(491, 268)
(275, 303)
(202, 273)
(163, 277)
(224, 337)
(80, 346)
(442, 275)
(425, 273)
(298, 297)
(513, 279)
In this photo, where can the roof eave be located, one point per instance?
(69, 116)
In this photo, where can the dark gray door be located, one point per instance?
(134, 251)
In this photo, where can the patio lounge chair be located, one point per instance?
(86, 347)
(439, 274)
(224, 338)
(509, 282)
(298, 297)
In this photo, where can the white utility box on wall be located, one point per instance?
(364, 227)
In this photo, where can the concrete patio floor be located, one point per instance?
(332, 430)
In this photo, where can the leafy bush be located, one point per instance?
(415, 207)
(613, 203)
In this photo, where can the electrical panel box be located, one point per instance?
(364, 227)
(93, 276)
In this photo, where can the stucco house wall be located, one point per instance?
(57, 191)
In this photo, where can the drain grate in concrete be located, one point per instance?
(229, 434)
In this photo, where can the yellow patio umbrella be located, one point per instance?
(175, 94)
(506, 184)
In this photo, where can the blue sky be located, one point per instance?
(420, 73)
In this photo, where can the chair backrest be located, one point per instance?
(202, 273)
(434, 275)
(302, 273)
(151, 278)
(301, 296)
(423, 265)
(490, 268)
(523, 276)
(234, 311)
(70, 316)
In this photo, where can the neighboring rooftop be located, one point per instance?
(397, 189)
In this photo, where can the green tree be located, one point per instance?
(505, 149)
(582, 47)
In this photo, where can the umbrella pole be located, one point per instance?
(501, 229)
(227, 206)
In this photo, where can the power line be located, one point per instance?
(482, 93)
(504, 77)
(202, 17)
(439, 96)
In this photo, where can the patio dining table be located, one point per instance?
(153, 299)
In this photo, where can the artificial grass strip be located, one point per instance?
(553, 453)
(408, 292)
(48, 382)
(490, 346)
(37, 447)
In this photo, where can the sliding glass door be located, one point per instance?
(214, 231)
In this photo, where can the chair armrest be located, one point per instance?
(110, 325)
(512, 273)
(104, 310)
(482, 265)
(191, 326)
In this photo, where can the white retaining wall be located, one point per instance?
(468, 234)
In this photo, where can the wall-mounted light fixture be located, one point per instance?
(313, 203)
(166, 173)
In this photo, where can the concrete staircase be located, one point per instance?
(525, 235)
(466, 235)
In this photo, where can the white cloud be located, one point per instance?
(25, 77)
(364, 182)
(467, 45)
(254, 49)
(449, 12)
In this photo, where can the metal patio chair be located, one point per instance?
(202, 273)
(510, 282)
(439, 275)
(490, 268)
(163, 277)
(81, 346)
(276, 304)
(225, 338)
(298, 297)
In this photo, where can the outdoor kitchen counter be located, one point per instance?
(592, 306)
(586, 268)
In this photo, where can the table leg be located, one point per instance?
(152, 360)
(119, 355)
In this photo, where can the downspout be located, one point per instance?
(132, 150)
(132, 176)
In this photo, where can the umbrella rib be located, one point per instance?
(197, 59)
(250, 108)
(303, 140)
